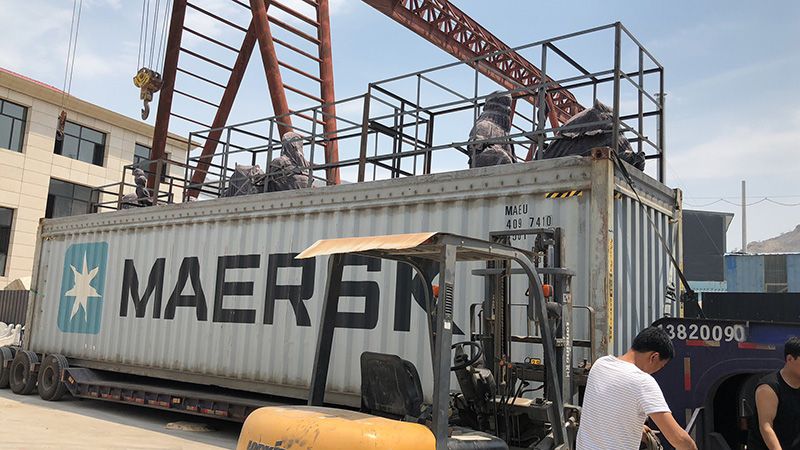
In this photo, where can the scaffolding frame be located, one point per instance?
(389, 132)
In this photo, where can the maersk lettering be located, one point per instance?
(410, 285)
(188, 293)
(369, 290)
(130, 285)
(238, 288)
(295, 294)
(189, 271)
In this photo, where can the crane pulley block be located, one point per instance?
(149, 82)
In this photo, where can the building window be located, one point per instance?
(82, 143)
(12, 125)
(140, 153)
(775, 273)
(5, 237)
(68, 199)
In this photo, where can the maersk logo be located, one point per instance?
(82, 287)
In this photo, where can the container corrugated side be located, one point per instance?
(276, 358)
(744, 273)
(793, 272)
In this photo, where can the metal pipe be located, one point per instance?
(270, 60)
(662, 162)
(170, 70)
(744, 217)
(617, 62)
(225, 105)
(362, 156)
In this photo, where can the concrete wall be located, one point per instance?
(25, 176)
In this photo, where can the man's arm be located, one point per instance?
(676, 435)
(767, 407)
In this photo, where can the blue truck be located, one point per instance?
(710, 384)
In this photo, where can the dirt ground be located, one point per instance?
(28, 422)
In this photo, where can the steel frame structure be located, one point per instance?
(449, 28)
(259, 31)
(438, 21)
(409, 124)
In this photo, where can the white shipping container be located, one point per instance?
(209, 292)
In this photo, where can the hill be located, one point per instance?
(786, 242)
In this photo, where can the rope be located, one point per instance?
(163, 43)
(141, 38)
(155, 32)
(739, 205)
(74, 46)
(146, 32)
(72, 36)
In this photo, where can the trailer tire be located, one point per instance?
(6, 357)
(50, 384)
(22, 379)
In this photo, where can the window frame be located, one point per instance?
(58, 148)
(7, 251)
(137, 159)
(50, 205)
(23, 122)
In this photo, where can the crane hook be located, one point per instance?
(149, 82)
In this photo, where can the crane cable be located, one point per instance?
(69, 66)
(148, 77)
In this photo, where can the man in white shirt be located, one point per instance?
(621, 393)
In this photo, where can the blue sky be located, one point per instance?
(733, 105)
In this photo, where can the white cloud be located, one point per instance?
(27, 27)
(746, 150)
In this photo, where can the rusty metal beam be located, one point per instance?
(327, 93)
(225, 105)
(452, 30)
(170, 71)
(270, 60)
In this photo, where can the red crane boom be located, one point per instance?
(452, 30)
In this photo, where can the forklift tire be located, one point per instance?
(50, 384)
(22, 379)
(6, 357)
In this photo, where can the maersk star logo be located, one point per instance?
(81, 304)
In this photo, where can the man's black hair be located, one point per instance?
(792, 347)
(654, 339)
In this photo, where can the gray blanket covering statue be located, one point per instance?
(493, 123)
(290, 170)
(591, 128)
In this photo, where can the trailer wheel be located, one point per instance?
(6, 357)
(22, 379)
(50, 384)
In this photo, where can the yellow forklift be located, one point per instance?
(490, 410)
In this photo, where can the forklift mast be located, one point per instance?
(447, 250)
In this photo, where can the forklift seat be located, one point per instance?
(390, 387)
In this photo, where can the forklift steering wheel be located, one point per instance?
(471, 361)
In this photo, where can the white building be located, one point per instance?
(43, 177)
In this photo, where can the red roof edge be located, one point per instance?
(15, 74)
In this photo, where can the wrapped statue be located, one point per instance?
(494, 122)
(142, 195)
(591, 129)
(290, 170)
(245, 180)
